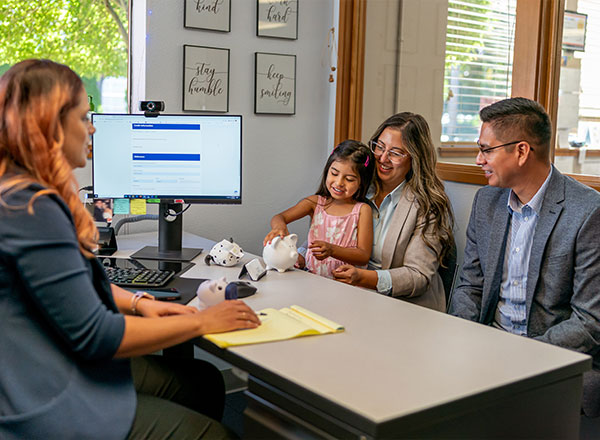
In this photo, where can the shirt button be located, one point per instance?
(526, 218)
(517, 249)
(515, 283)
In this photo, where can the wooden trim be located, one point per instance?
(454, 172)
(472, 174)
(472, 152)
(350, 72)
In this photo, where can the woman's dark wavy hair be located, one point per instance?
(434, 205)
(362, 158)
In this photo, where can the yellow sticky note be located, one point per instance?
(138, 206)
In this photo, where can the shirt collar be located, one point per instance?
(394, 196)
(536, 201)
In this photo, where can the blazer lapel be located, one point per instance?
(549, 214)
(495, 257)
(396, 225)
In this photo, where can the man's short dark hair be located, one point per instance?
(520, 117)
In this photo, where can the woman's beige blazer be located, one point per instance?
(412, 264)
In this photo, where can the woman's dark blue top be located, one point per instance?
(59, 330)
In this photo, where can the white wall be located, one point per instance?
(283, 156)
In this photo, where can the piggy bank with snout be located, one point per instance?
(281, 254)
(211, 292)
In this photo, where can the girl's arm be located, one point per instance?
(280, 221)
(358, 255)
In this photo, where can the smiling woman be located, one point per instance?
(412, 219)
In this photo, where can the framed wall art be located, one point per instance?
(275, 83)
(205, 79)
(213, 15)
(277, 18)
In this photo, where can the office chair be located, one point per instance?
(448, 273)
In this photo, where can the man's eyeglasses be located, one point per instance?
(486, 151)
(394, 155)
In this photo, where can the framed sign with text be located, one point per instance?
(214, 15)
(277, 18)
(275, 84)
(205, 79)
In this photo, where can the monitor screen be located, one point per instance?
(195, 158)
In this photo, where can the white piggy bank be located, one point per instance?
(211, 292)
(281, 254)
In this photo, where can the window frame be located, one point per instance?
(536, 71)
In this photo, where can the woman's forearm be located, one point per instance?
(147, 335)
(367, 278)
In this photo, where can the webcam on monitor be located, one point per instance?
(152, 106)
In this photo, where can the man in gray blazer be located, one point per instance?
(532, 257)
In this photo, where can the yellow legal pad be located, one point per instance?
(276, 325)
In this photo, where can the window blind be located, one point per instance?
(589, 99)
(478, 68)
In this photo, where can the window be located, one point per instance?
(89, 36)
(478, 67)
(578, 122)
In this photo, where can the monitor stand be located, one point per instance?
(169, 238)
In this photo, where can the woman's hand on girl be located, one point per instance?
(228, 315)
(321, 249)
(280, 231)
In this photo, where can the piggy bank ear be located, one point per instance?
(275, 241)
(223, 280)
(293, 238)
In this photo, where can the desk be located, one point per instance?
(399, 370)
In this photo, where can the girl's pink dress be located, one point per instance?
(339, 230)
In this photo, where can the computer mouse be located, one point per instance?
(239, 289)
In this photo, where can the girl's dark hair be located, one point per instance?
(362, 158)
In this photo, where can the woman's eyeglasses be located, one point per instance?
(394, 155)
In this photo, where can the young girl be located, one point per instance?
(341, 229)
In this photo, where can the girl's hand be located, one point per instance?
(280, 231)
(156, 309)
(228, 315)
(348, 274)
(321, 249)
(300, 262)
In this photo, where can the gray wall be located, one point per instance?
(283, 156)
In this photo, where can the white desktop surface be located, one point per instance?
(394, 358)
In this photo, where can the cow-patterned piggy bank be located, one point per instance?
(225, 253)
(281, 254)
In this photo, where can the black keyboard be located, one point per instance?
(138, 277)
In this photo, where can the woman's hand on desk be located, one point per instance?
(349, 274)
(157, 309)
(228, 315)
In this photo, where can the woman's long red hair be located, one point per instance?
(35, 97)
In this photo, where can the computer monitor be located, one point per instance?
(172, 158)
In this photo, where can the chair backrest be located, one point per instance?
(448, 273)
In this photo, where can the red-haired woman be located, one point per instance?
(66, 333)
